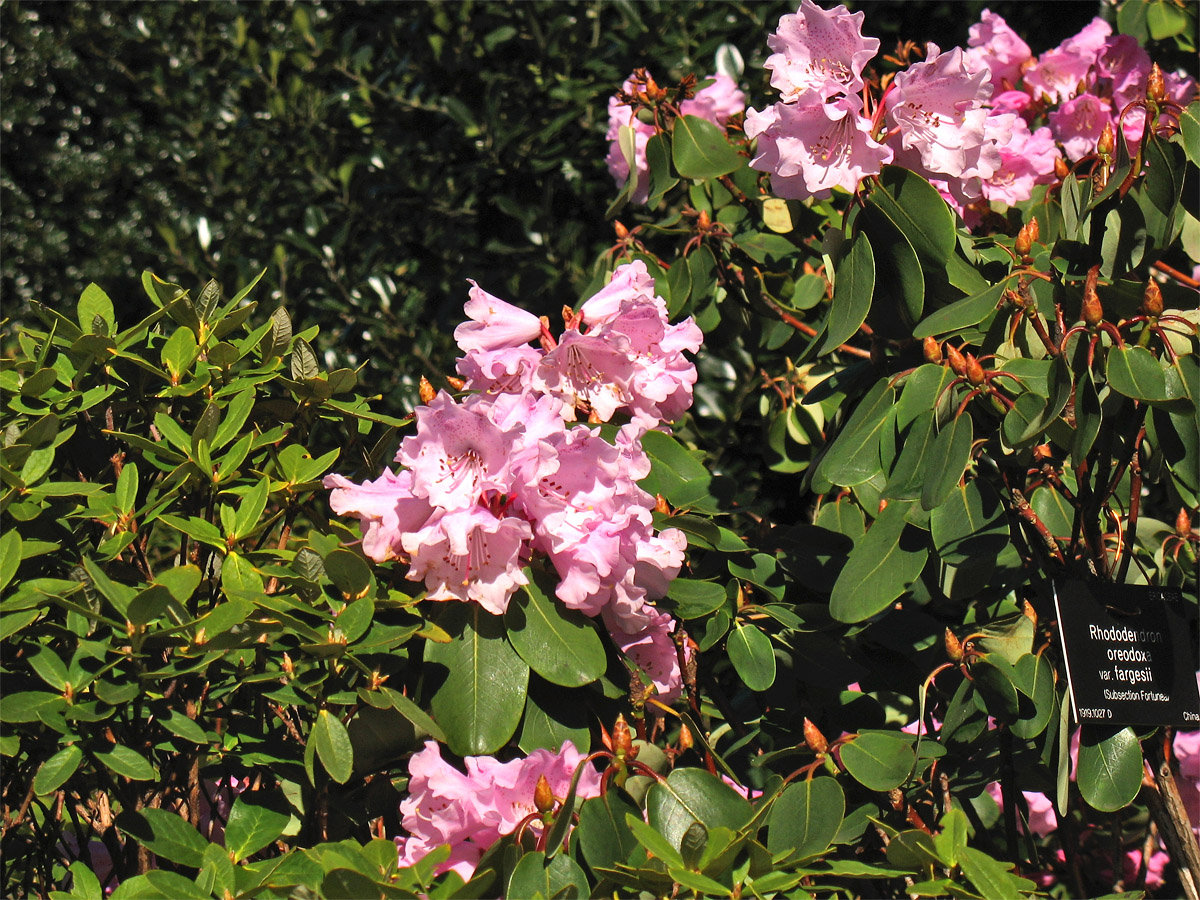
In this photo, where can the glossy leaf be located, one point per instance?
(879, 762)
(881, 567)
(917, 211)
(479, 704)
(970, 524)
(559, 644)
(535, 876)
(700, 149)
(851, 294)
(57, 769)
(604, 837)
(962, 313)
(333, 746)
(1134, 372)
(854, 456)
(255, 820)
(752, 656)
(806, 818)
(171, 837)
(693, 795)
(948, 458)
(1109, 772)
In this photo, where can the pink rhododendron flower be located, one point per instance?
(469, 554)
(456, 454)
(1078, 124)
(386, 508)
(587, 371)
(1155, 866)
(1026, 160)
(996, 47)
(937, 106)
(495, 325)
(503, 371)
(812, 147)
(717, 102)
(1042, 820)
(471, 811)
(652, 650)
(1123, 61)
(819, 52)
(1187, 751)
(1011, 102)
(1058, 72)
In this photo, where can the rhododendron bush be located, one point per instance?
(733, 578)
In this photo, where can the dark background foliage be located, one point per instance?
(370, 156)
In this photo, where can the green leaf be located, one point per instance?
(752, 656)
(882, 565)
(479, 704)
(693, 795)
(948, 459)
(654, 842)
(559, 644)
(879, 762)
(128, 762)
(1035, 677)
(806, 818)
(991, 877)
(700, 149)
(179, 724)
(854, 456)
(917, 211)
(962, 313)
(333, 746)
(1134, 372)
(695, 881)
(256, 819)
(852, 291)
(560, 877)
(970, 524)
(84, 884)
(1109, 772)
(169, 836)
(1189, 129)
(253, 502)
(1165, 20)
(916, 458)
(658, 161)
(10, 555)
(694, 599)
(414, 714)
(159, 885)
(49, 668)
(603, 835)
(93, 303)
(54, 772)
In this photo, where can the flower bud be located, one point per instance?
(974, 371)
(1090, 311)
(653, 91)
(1030, 612)
(543, 797)
(686, 741)
(1152, 302)
(457, 383)
(1012, 298)
(622, 740)
(1061, 169)
(661, 505)
(813, 737)
(621, 230)
(1025, 238)
(1107, 140)
(957, 364)
(1034, 230)
(1156, 89)
(1183, 524)
(703, 222)
(1042, 452)
(425, 391)
(932, 350)
(954, 648)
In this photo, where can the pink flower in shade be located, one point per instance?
(456, 454)
(1187, 751)
(1042, 820)
(652, 650)
(1123, 61)
(716, 102)
(1011, 102)
(1026, 160)
(471, 811)
(819, 52)
(1155, 866)
(1058, 72)
(812, 147)
(386, 509)
(937, 106)
(469, 554)
(996, 47)
(1078, 123)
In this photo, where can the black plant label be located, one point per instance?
(1131, 653)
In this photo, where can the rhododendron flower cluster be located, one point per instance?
(983, 124)
(717, 102)
(492, 479)
(471, 811)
